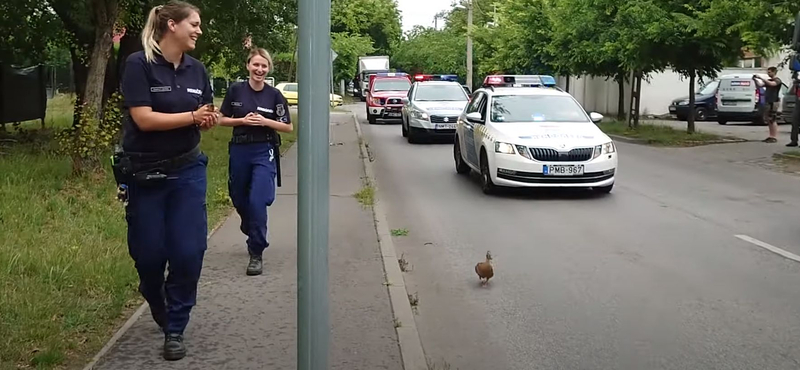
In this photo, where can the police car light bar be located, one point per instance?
(424, 77)
(392, 74)
(519, 81)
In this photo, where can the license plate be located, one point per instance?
(672, 109)
(728, 102)
(445, 126)
(563, 170)
(393, 114)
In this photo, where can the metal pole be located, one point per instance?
(469, 44)
(313, 188)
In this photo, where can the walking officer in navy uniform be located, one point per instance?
(257, 112)
(168, 101)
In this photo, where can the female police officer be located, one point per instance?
(256, 111)
(167, 95)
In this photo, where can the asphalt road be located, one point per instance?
(652, 276)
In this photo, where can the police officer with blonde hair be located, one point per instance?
(168, 101)
(257, 112)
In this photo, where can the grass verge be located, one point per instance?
(661, 135)
(66, 279)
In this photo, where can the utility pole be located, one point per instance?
(469, 44)
(313, 183)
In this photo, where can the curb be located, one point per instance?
(407, 335)
(631, 140)
(790, 157)
(138, 313)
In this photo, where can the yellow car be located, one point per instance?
(289, 91)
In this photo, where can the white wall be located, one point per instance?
(599, 95)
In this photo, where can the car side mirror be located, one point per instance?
(596, 117)
(475, 117)
(404, 100)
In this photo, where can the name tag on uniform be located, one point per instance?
(264, 110)
(194, 91)
(236, 103)
(161, 89)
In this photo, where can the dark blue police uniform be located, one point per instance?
(254, 158)
(166, 215)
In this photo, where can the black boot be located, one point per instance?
(255, 265)
(174, 349)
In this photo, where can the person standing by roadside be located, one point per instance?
(257, 112)
(168, 100)
(772, 85)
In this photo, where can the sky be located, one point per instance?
(421, 12)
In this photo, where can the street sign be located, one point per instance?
(333, 55)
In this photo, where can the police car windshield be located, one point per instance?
(440, 93)
(536, 108)
(392, 85)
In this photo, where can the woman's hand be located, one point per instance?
(255, 119)
(205, 116)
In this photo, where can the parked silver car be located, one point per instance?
(789, 104)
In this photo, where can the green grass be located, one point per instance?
(399, 232)
(659, 135)
(366, 195)
(66, 279)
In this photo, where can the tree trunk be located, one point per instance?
(690, 117)
(80, 72)
(639, 77)
(621, 103)
(567, 85)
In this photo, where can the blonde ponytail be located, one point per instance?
(157, 21)
(149, 41)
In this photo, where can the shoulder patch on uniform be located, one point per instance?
(161, 89)
(194, 91)
(280, 110)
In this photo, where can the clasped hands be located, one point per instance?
(206, 116)
(255, 119)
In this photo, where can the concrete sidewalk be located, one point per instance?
(243, 322)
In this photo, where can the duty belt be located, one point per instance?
(138, 162)
(252, 138)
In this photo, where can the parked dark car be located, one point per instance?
(705, 104)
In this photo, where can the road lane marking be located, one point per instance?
(770, 248)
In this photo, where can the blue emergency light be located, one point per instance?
(424, 77)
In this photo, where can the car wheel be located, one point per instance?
(487, 185)
(372, 119)
(721, 122)
(603, 189)
(700, 114)
(461, 166)
(405, 130)
(413, 135)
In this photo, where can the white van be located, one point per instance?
(738, 97)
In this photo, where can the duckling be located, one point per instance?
(485, 270)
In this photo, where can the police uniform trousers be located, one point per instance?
(252, 185)
(168, 228)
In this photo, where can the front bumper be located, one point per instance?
(386, 111)
(433, 129)
(513, 170)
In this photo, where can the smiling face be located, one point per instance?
(258, 67)
(186, 31)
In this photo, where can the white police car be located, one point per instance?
(523, 131)
(432, 108)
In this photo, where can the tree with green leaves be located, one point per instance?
(348, 48)
(376, 19)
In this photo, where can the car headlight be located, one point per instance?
(505, 148)
(376, 101)
(523, 151)
(418, 114)
(606, 148)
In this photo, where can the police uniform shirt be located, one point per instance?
(241, 99)
(167, 90)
